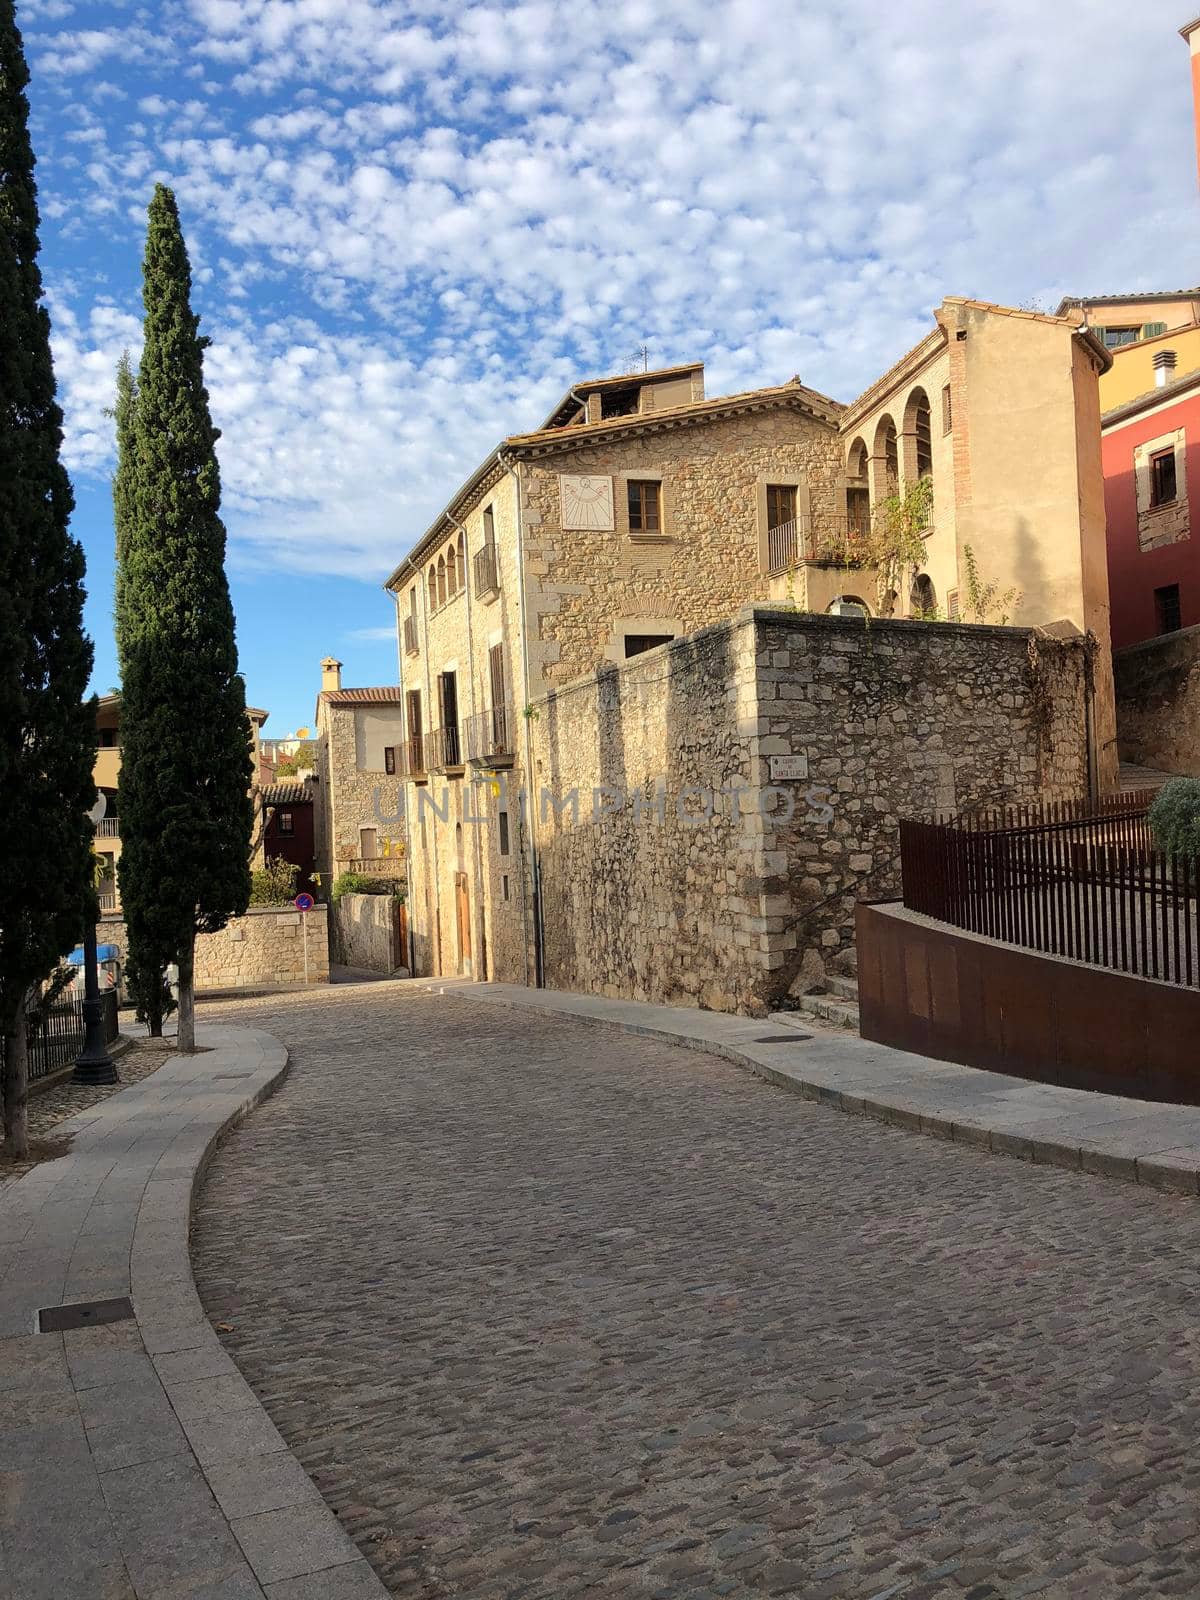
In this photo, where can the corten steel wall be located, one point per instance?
(956, 996)
(1158, 701)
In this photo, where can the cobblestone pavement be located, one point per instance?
(548, 1310)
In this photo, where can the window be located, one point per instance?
(620, 402)
(389, 758)
(781, 504)
(504, 886)
(441, 581)
(952, 612)
(947, 409)
(489, 526)
(106, 738)
(448, 702)
(287, 823)
(918, 419)
(1114, 338)
(1162, 477)
(1166, 606)
(635, 643)
(366, 844)
(645, 505)
(451, 573)
(502, 827)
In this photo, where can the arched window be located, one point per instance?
(441, 580)
(858, 492)
(451, 572)
(462, 562)
(922, 601)
(885, 456)
(849, 605)
(918, 437)
(433, 600)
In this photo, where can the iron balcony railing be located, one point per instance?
(488, 738)
(410, 636)
(443, 749)
(487, 579)
(412, 757)
(108, 828)
(840, 541)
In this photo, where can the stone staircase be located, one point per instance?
(837, 1003)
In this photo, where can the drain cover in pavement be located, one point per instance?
(85, 1314)
(782, 1038)
(226, 1077)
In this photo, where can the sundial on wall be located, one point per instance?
(587, 503)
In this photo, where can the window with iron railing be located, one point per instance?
(486, 572)
(410, 636)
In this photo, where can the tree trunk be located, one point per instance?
(16, 1085)
(186, 1040)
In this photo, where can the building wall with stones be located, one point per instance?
(263, 949)
(1158, 702)
(354, 790)
(587, 590)
(693, 899)
(362, 931)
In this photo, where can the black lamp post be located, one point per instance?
(93, 1064)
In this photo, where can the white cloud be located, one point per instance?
(422, 219)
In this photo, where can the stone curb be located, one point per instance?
(169, 1478)
(1136, 1141)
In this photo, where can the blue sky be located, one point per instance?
(413, 224)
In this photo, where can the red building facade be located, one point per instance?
(288, 827)
(1151, 457)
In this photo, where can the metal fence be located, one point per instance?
(55, 1037)
(1079, 881)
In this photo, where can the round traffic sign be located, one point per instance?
(304, 902)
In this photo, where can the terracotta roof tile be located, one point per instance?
(388, 694)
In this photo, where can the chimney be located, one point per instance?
(1164, 367)
(1192, 35)
(331, 674)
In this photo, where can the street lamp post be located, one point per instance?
(93, 1063)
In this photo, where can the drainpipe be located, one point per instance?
(539, 937)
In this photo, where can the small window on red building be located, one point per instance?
(1162, 477)
(389, 758)
(286, 822)
(1166, 607)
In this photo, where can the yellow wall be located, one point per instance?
(1132, 371)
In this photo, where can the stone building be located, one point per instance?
(358, 817)
(642, 511)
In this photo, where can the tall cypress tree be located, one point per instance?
(47, 729)
(186, 813)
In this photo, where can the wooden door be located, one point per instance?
(462, 901)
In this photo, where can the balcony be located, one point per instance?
(834, 541)
(443, 750)
(487, 579)
(378, 866)
(108, 828)
(107, 899)
(412, 757)
(489, 737)
(410, 636)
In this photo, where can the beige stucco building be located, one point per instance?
(358, 815)
(106, 773)
(643, 510)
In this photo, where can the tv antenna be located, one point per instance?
(639, 360)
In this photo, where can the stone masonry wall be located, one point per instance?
(696, 899)
(265, 948)
(583, 586)
(350, 798)
(1158, 702)
(362, 928)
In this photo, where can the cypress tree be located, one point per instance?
(186, 813)
(47, 728)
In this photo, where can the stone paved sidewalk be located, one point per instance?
(1140, 1141)
(555, 1311)
(135, 1462)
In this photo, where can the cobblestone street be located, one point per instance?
(549, 1310)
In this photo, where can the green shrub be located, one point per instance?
(1175, 817)
(274, 884)
(360, 883)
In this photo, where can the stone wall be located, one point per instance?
(363, 932)
(661, 884)
(1158, 702)
(263, 949)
